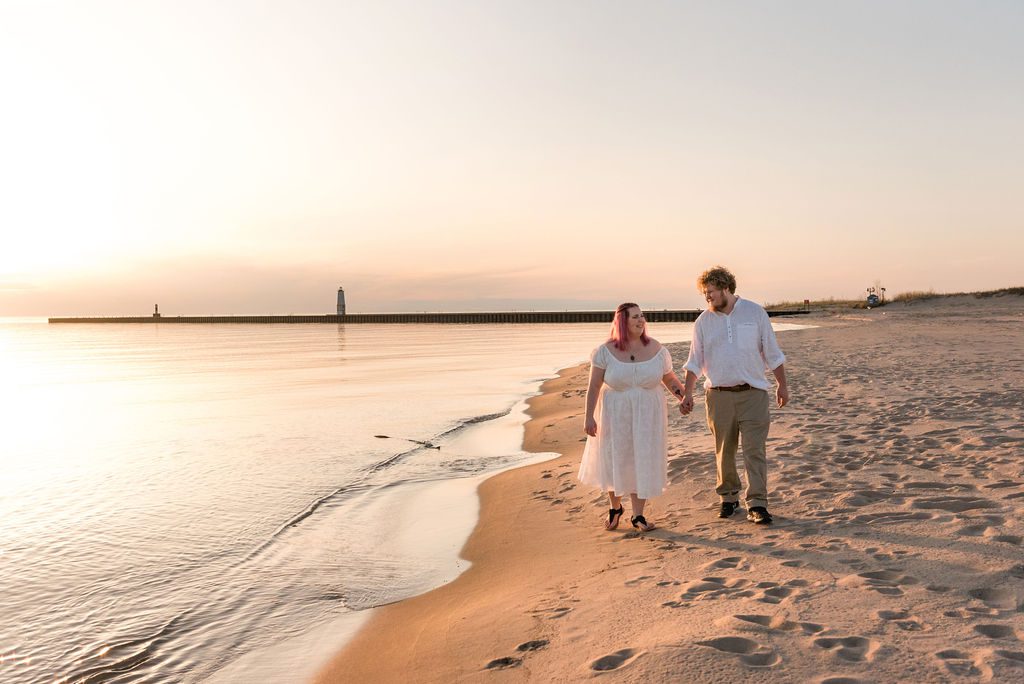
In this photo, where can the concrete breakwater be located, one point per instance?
(665, 315)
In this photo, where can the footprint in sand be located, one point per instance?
(863, 497)
(638, 580)
(842, 680)
(943, 486)
(892, 517)
(853, 649)
(978, 611)
(553, 613)
(775, 593)
(770, 623)
(1014, 656)
(503, 663)
(730, 563)
(958, 662)
(1000, 598)
(955, 504)
(902, 619)
(615, 661)
(710, 588)
(535, 645)
(679, 469)
(1012, 539)
(996, 631)
(751, 653)
(886, 582)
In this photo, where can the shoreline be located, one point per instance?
(432, 542)
(488, 437)
(895, 491)
(471, 593)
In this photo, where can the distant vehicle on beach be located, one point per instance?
(876, 296)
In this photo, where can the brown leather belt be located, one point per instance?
(733, 388)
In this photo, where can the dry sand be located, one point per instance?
(897, 480)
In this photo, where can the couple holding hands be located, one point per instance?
(627, 420)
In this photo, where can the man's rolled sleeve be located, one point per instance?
(695, 361)
(770, 351)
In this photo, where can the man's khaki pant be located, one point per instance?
(732, 416)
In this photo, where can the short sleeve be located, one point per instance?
(666, 360)
(599, 357)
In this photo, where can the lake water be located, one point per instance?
(222, 502)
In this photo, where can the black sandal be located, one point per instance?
(640, 522)
(613, 518)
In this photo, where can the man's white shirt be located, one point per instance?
(734, 348)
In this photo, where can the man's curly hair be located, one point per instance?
(719, 277)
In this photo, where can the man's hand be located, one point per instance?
(686, 405)
(782, 395)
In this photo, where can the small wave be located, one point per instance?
(394, 460)
(463, 424)
(129, 655)
(460, 468)
(339, 494)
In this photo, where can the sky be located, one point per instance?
(245, 157)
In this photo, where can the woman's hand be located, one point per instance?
(590, 427)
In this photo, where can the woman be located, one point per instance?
(626, 419)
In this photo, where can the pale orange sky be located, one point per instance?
(250, 157)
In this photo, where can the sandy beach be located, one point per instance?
(897, 486)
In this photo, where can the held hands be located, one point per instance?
(686, 405)
(782, 395)
(590, 427)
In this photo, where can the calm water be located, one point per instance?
(193, 503)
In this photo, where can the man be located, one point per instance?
(733, 343)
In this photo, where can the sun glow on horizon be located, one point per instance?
(209, 155)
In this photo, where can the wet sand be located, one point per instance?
(897, 486)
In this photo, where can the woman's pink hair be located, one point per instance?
(619, 335)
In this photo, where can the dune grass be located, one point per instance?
(830, 303)
(904, 297)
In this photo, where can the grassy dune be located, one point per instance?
(903, 297)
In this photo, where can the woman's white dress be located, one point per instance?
(628, 454)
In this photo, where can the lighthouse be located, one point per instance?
(341, 301)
